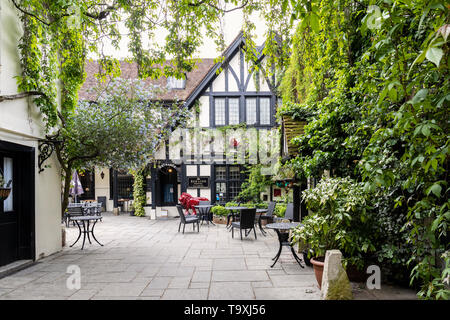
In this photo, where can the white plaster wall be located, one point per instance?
(235, 63)
(160, 154)
(191, 170)
(205, 170)
(205, 193)
(232, 83)
(102, 186)
(204, 111)
(218, 84)
(21, 123)
(192, 191)
(251, 84)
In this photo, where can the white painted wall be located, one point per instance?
(204, 111)
(21, 123)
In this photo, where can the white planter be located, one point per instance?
(149, 212)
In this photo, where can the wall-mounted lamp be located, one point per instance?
(102, 175)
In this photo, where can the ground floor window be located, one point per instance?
(125, 182)
(228, 181)
(87, 179)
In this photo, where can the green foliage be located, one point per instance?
(139, 194)
(376, 82)
(255, 184)
(280, 210)
(340, 219)
(219, 211)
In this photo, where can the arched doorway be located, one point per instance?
(168, 185)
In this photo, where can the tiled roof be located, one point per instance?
(129, 71)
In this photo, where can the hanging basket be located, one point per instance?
(4, 193)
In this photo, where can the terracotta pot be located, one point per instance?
(318, 263)
(4, 193)
(356, 275)
(219, 220)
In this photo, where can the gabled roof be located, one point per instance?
(228, 54)
(197, 80)
(130, 71)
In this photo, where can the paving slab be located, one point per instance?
(148, 259)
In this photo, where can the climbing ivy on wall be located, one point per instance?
(374, 75)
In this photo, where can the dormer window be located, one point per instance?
(174, 83)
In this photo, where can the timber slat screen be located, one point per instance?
(292, 129)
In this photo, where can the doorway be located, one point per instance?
(17, 210)
(168, 186)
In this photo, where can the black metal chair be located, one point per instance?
(289, 214)
(187, 220)
(73, 211)
(268, 216)
(246, 222)
(232, 216)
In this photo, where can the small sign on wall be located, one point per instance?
(198, 182)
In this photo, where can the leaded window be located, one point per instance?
(264, 111)
(250, 111)
(219, 111)
(233, 111)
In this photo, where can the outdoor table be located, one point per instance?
(209, 217)
(233, 213)
(86, 230)
(283, 238)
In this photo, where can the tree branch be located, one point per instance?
(21, 95)
(29, 13)
(217, 8)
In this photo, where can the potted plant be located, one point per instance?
(219, 214)
(131, 209)
(5, 187)
(340, 219)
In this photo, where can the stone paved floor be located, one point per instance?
(149, 259)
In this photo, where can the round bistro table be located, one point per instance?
(283, 238)
(209, 217)
(85, 220)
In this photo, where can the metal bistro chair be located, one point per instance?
(288, 214)
(74, 210)
(268, 216)
(246, 222)
(232, 216)
(186, 220)
(93, 209)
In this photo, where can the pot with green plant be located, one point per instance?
(5, 187)
(340, 219)
(219, 214)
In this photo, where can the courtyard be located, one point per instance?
(145, 259)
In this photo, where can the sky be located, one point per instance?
(232, 25)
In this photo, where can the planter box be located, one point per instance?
(220, 220)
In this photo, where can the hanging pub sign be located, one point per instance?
(198, 182)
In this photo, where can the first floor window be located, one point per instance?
(219, 111)
(233, 111)
(264, 111)
(250, 110)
